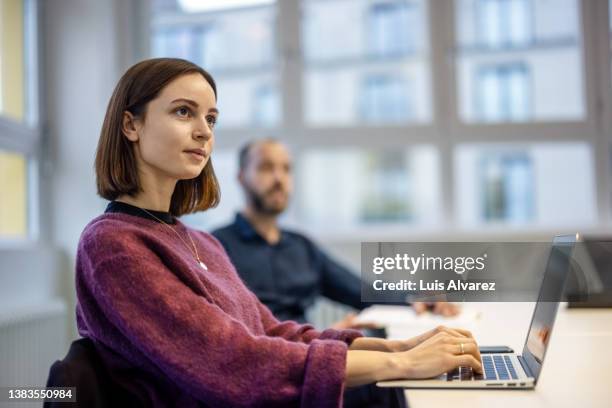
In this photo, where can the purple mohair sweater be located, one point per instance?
(178, 335)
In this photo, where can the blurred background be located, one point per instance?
(407, 119)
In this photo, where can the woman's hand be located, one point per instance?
(398, 346)
(439, 353)
(428, 355)
(408, 344)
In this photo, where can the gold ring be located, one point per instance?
(462, 351)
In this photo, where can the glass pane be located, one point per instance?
(539, 184)
(235, 42)
(369, 187)
(13, 198)
(365, 62)
(512, 56)
(12, 66)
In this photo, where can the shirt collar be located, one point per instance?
(246, 230)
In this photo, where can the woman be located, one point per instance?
(162, 302)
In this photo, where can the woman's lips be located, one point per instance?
(198, 155)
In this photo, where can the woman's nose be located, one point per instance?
(203, 131)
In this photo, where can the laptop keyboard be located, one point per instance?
(495, 367)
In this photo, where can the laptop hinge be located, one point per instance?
(525, 366)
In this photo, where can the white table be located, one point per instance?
(576, 371)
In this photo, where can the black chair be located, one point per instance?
(82, 368)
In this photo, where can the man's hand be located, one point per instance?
(445, 309)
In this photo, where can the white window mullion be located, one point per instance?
(598, 87)
(288, 25)
(442, 39)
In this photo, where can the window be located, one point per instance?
(545, 184)
(392, 29)
(504, 23)
(19, 135)
(266, 106)
(235, 42)
(13, 197)
(369, 187)
(536, 43)
(503, 93)
(180, 42)
(507, 189)
(347, 45)
(504, 141)
(386, 99)
(12, 69)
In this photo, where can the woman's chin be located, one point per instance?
(189, 171)
(190, 174)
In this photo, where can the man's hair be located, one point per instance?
(115, 163)
(245, 150)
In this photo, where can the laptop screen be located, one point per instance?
(545, 311)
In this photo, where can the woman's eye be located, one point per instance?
(182, 111)
(212, 121)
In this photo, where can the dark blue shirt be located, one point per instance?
(289, 275)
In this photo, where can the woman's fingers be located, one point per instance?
(444, 350)
(441, 334)
(468, 360)
(459, 333)
(463, 332)
(461, 346)
(454, 331)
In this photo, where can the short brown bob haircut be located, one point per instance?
(115, 165)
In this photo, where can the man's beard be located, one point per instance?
(259, 203)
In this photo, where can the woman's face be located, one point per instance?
(175, 138)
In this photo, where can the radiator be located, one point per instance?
(31, 339)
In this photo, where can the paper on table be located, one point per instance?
(402, 321)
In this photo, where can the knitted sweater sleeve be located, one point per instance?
(305, 333)
(212, 355)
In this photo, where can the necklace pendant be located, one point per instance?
(203, 266)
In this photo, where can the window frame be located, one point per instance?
(27, 137)
(446, 130)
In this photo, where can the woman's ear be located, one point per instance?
(240, 178)
(129, 126)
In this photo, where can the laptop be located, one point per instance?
(589, 285)
(509, 370)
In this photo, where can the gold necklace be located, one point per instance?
(195, 250)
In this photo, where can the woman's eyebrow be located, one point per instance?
(188, 101)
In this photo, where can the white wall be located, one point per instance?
(83, 42)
